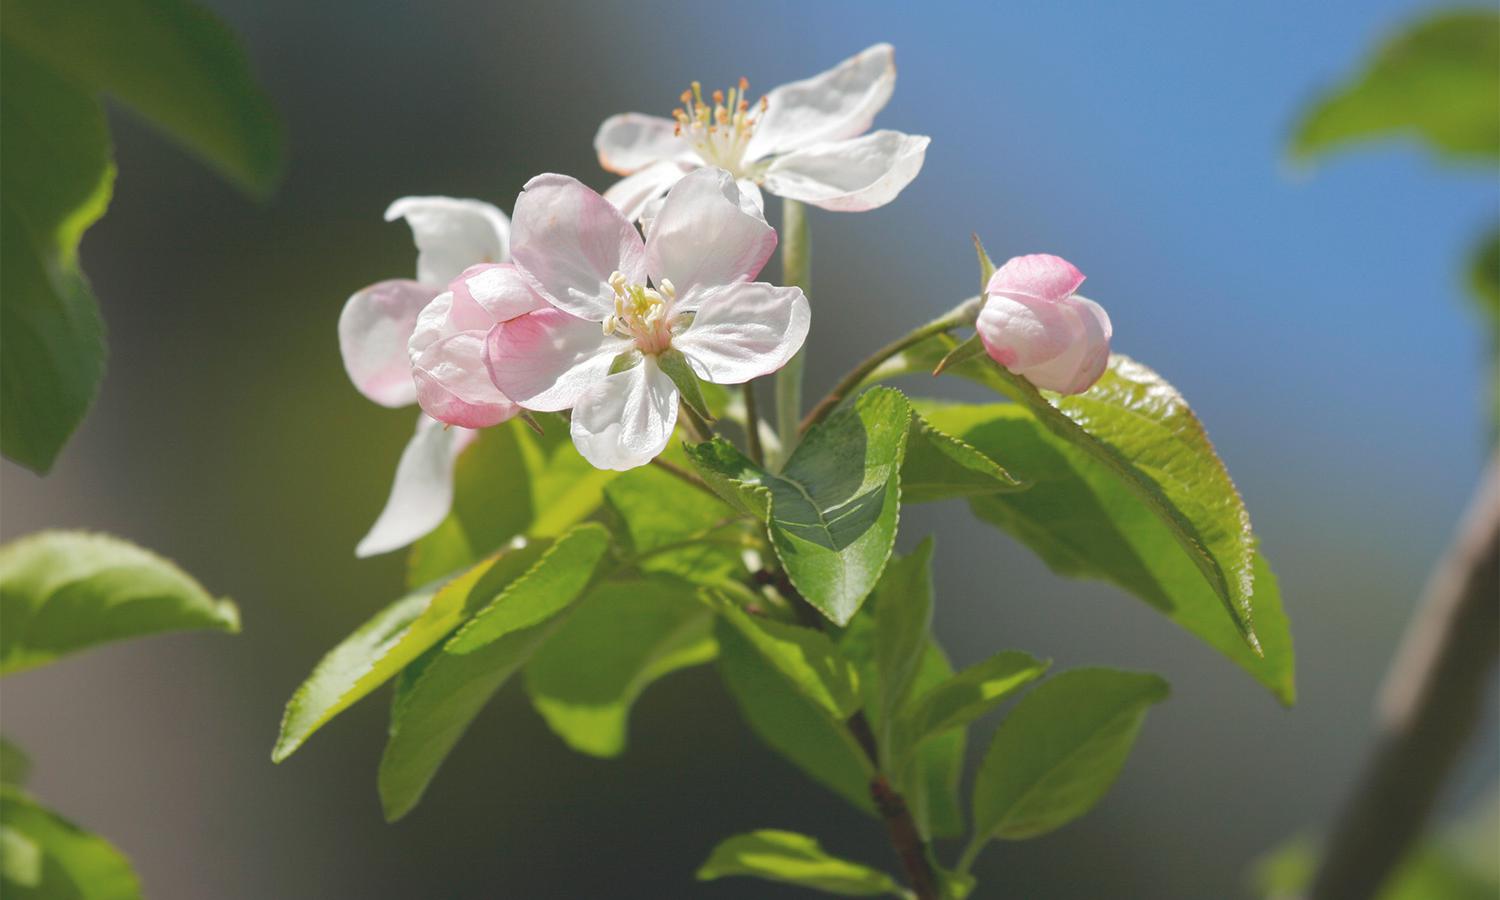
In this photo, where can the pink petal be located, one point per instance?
(630, 142)
(849, 176)
(497, 292)
(626, 420)
(452, 234)
(744, 331)
(374, 329)
(633, 195)
(454, 386)
(1020, 332)
(1039, 275)
(546, 359)
(568, 240)
(422, 493)
(836, 104)
(708, 234)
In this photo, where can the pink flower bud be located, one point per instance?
(1034, 325)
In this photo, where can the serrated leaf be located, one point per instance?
(623, 636)
(14, 764)
(902, 623)
(1083, 520)
(793, 858)
(1058, 752)
(939, 466)
(1437, 80)
(509, 482)
(959, 700)
(171, 61)
(65, 591)
(394, 637)
(55, 182)
(832, 511)
(791, 724)
(806, 658)
(44, 856)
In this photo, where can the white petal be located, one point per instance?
(744, 331)
(626, 419)
(452, 234)
(1077, 368)
(849, 176)
(568, 240)
(634, 194)
(630, 142)
(839, 103)
(423, 491)
(374, 328)
(750, 196)
(708, 234)
(448, 367)
(490, 294)
(546, 359)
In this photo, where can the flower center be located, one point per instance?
(719, 133)
(641, 314)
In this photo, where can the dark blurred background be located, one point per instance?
(1316, 320)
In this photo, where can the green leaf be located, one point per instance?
(904, 604)
(441, 692)
(64, 591)
(1082, 519)
(793, 858)
(939, 466)
(675, 366)
(832, 511)
(170, 61)
(1437, 80)
(14, 764)
(45, 857)
(55, 183)
(669, 526)
(509, 482)
(959, 700)
(791, 724)
(1059, 751)
(806, 658)
(622, 636)
(383, 646)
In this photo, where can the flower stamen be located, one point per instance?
(719, 132)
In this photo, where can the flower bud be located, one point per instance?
(1034, 325)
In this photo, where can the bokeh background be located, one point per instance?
(1316, 319)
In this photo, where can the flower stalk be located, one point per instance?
(796, 271)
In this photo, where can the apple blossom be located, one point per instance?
(803, 141)
(375, 328)
(1035, 325)
(625, 317)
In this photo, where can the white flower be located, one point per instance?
(803, 141)
(624, 313)
(375, 328)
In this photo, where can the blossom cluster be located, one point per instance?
(606, 305)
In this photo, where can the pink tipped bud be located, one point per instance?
(1037, 327)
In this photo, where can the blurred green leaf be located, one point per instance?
(623, 636)
(169, 60)
(1057, 753)
(832, 511)
(1083, 520)
(45, 857)
(396, 635)
(806, 658)
(55, 181)
(1430, 872)
(14, 764)
(793, 858)
(791, 724)
(669, 526)
(959, 700)
(1484, 275)
(939, 466)
(902, 627)
(64, 591)
(1437, 80)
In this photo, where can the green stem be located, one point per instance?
(971, 853)
(752, 426)
(958, 317)
(684, 475)
(697, 426)
(796, 263)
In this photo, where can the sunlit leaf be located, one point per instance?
(959, 700)
(668, 526)
(904, 601)
(806, 658)
(939, 466)
(45, 857)
(793, 858)
(14, 765)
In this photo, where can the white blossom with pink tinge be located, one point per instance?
(617, 305)
(1034, 324)
(803, 141)
(375, 329)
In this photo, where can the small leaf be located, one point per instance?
(971, 693)
(832, 511)
(971, 349)
(551, 584)
(939, 466)
(14, 764)
(1438, 80)
(791, 724)
(793, 858)
(904, 602)
(986, 266)
(623, 636)
(64, 591)
(1059, 751)
(169, 60)
(43, 855)
(675, 366)
(806, 658)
